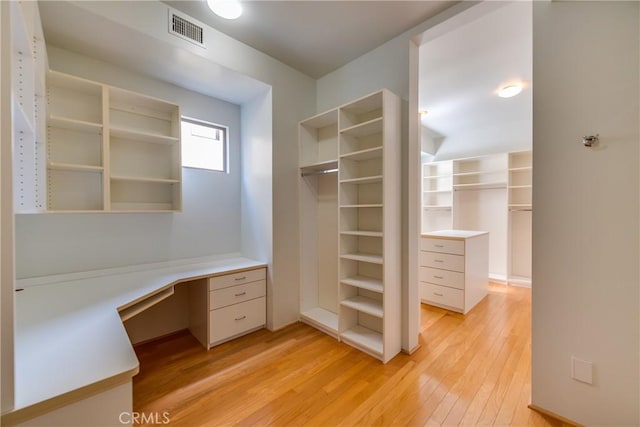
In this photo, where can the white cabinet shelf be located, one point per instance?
(362, 180)
(367, 340)
(492, 193)
(364, 304)
(350, 282)
(131, 140)
(363, 282)
(368, 128)
(437, 195)
(363, 233)
(74, 167)
(364, 257)
(520, 207)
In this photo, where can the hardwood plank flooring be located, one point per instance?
(470, 370)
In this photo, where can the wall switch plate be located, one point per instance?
(581, 370)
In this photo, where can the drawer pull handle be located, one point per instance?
(241, 318)
(241, 294)
(439, 246)
(438, 277)
(240, 278)
(438, 294)
(438, 260)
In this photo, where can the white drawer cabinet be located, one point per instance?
(237, 304)
(234, 303)
(454, 268)
(237, 319)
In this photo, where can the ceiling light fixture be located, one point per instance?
(227, 9)
(423, 113)
(510, 90)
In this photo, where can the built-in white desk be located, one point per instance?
(70, 343)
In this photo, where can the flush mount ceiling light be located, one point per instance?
(227, 9)
(510, 90)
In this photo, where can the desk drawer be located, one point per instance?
(220, 282)
(228, 322)
(442, 295)
(455, 247)
(452, 279)
(236, 294)
(443, 261)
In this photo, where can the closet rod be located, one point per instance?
(521, 210)
(319, 172)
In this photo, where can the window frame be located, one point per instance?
(225, 143)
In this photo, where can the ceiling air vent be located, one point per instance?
(185, 29)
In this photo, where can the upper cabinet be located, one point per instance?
(109, 149)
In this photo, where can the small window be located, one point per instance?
(204, 145)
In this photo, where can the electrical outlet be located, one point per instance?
(581, 370)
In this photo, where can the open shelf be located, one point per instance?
(371, 258)
(366, 154)
(318, 138)
(321, 318)
(363, 180)
(328, 166)
(128, 143)
(364, 205)
(74, 167)
(364, 338)
(364, 305)
(364, 282)
(350, 223)
(481, 185)
(361, 130)
(363, 233)
(140, 136)
(73, 124)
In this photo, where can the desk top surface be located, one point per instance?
(68, 332)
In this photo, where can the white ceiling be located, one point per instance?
(316, 37)
(461, 71)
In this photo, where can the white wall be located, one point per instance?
(208, 225)
(586, 216)
(257, 192)
(6, 215)
(293, 98)
(388, 66)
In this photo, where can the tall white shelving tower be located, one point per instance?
(350, 223)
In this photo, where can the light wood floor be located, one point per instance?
(470, 370)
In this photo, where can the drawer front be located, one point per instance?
(442, 295)
(235, 294)
(452, 279)
(442, 261)
(455, 247)
(235, 319)
(233, 279)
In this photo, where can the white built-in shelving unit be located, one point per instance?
(28, 62)
(350, 223)
(486, 193)
(520, 216)
(437, 196)
(110, 150)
